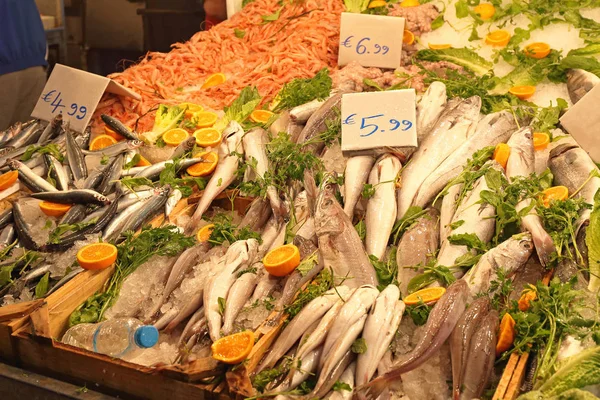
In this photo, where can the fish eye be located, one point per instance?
(328, 202)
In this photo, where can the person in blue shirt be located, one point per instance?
(22, 60)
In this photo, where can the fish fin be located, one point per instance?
(371, 390)
(311, 190)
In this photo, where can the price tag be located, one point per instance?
(379, 119)
(75, 94)
(372, 40)
(580, 120)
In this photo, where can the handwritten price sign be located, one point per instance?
(372, 40)
(56, 102)
(378, 119)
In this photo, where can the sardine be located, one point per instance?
(429, 109)
(22, 228)
(317, 123)
(7, 236)
(355, 177)
(115, 149)
(460, 340)
(440, 324)
(30, 179)
(119, 127)
(224, 173)
(149, 210)
(75, 214)
(453, 127)
(52, 130)
(300, 114)
(579, 83)
(122, 203)
(382, 207)
(239, 294)
(184, 147)
(75, 157)
(57, 172)
(492, 129)
(78, 196)
(6, 217)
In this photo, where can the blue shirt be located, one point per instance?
(22, 36)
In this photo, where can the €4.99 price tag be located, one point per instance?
(371, 40)
(379, 119)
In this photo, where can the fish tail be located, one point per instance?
(371, 390)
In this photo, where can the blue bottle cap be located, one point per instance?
(146, 336)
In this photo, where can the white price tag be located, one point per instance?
(379, 119)
(75, 94)
(580, 121)
(372, 40)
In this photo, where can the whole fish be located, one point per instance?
(448, 209)
(317, 123)
(339, 243)
(122, 203)
(184, 147)
(440, 324)
(294, 282)
(23, 230)
(115, 149)
(224, 173)
(380, 327)
(579, 83)
(481, 355)
(83, 140)
(317, 337)
(492, 129)
(7, 236)
(172, 202)
(79, 196)
(300, 114)
(429, 109)
(30, 179)
(119, 127)
(508, 256)
(6, 217)
(328, 378)
(110, 175)
(188, 331)
(238, 256)
(357, 172)
(308, 365)
(347, 377)
(57, 172)
(75, 157)
(269, 235)
(257, 215)
(75, 214)
(239, 294)
(460, 340)
(115, 227)
(27, 136)
(149, 210)
(266, 284)
(52, 130)
(64, 280)
(381, 207)
(521, 163)
(153, 171)
(416, 247)
(35, 273)
(453, 127)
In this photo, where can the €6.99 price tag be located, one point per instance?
(379, 119)
(371, 40)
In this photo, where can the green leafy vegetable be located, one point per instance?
(222, 305)
(460, 56)
(308, 264)
(418, 313)
(61, 229)
(546, 118)
(301, 91)
(592, 240)
(356, 6)
(529, 71)
(577, 372)
(133, 183)
(242, 107)
(239, 33)
(50, 148)
(410, 217)
(169, 176)
(104, 160)
(338, 386)
(359, 346)
(134, 160)
(167, 117)
(266, 376)
(361, 229)
(368, 191)
(19, 264)
(322, 283)
(42, 287)
(438, 22)
(271, 17)
(386, 270)
(225, 230)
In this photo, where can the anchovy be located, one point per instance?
(9, 155)
(150, 209)
(75, 214)
(429, 109)
(317, 123)
(110, 175)
(133, 171)
(118, 127)
(83, 140)
(52, 130)
(22, 228)
(152, 172)
(7, 236)
(27, 136)
(302, 113)
(6, 217)
(30, 179)
(57, 172)
(115, 227)
(75, 158)
(64, 280)
(115, 149)
(122, 203)
(36, 273)
(184, 147)
(78, 196)
(355, 176)
(579, 83)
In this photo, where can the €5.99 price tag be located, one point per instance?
(371, 40)
(379, 119)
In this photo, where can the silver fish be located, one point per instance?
(111, 174)
(79, 196)
(265, 286)
(355, 176)
(308, 366)
(119, 127)
(29, 178)
(115, 149)
(184, 147)
(579, 83)
(75, 157)
(149, 210)
(133, 171)
(52, 130)
(36, 272)
(453, 127)
(153, 171)
(329, 377)
(7, 236)
(27, 136)
(317, 337)
(382, 206)
(57, 172)
(115, 227)
(448, 208)
(429, 109)
(347, 377)
(491, 130)
(257, 215)
(317, 123)
(83, 140)
(6, 217)
(300, 114)
(239, 294)
(224, 173)
(189, 330)
(64, 280)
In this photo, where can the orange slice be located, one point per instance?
(282, 260)
(410, 3)
(54, 209)
(214, 80)
(522, 92)
(8, 179)
(498, 38)
(485, 11)
(526, 298)
(261, 116)
(501, 154)
(191, 109)
(143, 162)
(102, 141)
(108, 131)
(174, 136)
(408, 37)
(537, 50)
(233, 349)
(208, 137)
(434, 46)
(377, 3)
(97, 256)
(204, 233)
(428, 296)
(555, 193)
(506, 334)
(206, 167)
(541, 140)
(204, 119)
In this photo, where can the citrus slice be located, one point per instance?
(143, 162)
(174, 136)
(261, 116)
(410, 3)
(485, 11)
(108, 131)
(434, 46)
(529, 294)
(522, 92)
(377, 3)
(555, 193)
(282, 260)
(506, 334)
(214, 80)
(537, 50)
(204, 233)
(102, 141)
(498, 38)
(233, 349)
(428, 296)
(207, 137)
(54, 209)
(501, 154)
(97, 256)
(191, 109)
(206, 166)
(541, 140)
(408, 37)
(204, 119)
(8, 179)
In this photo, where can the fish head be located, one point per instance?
(232, 137)
(579, 83)
(301, 210)
(102, 199)
(134, 144)
(329, 214)
(522, 247)
(189, 143)
(15, 164)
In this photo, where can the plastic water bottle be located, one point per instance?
(116, 337)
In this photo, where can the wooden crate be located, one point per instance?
(12, 318)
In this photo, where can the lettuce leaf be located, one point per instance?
(460, 56)
(592, 240)
(578, 371)
(166, 118)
